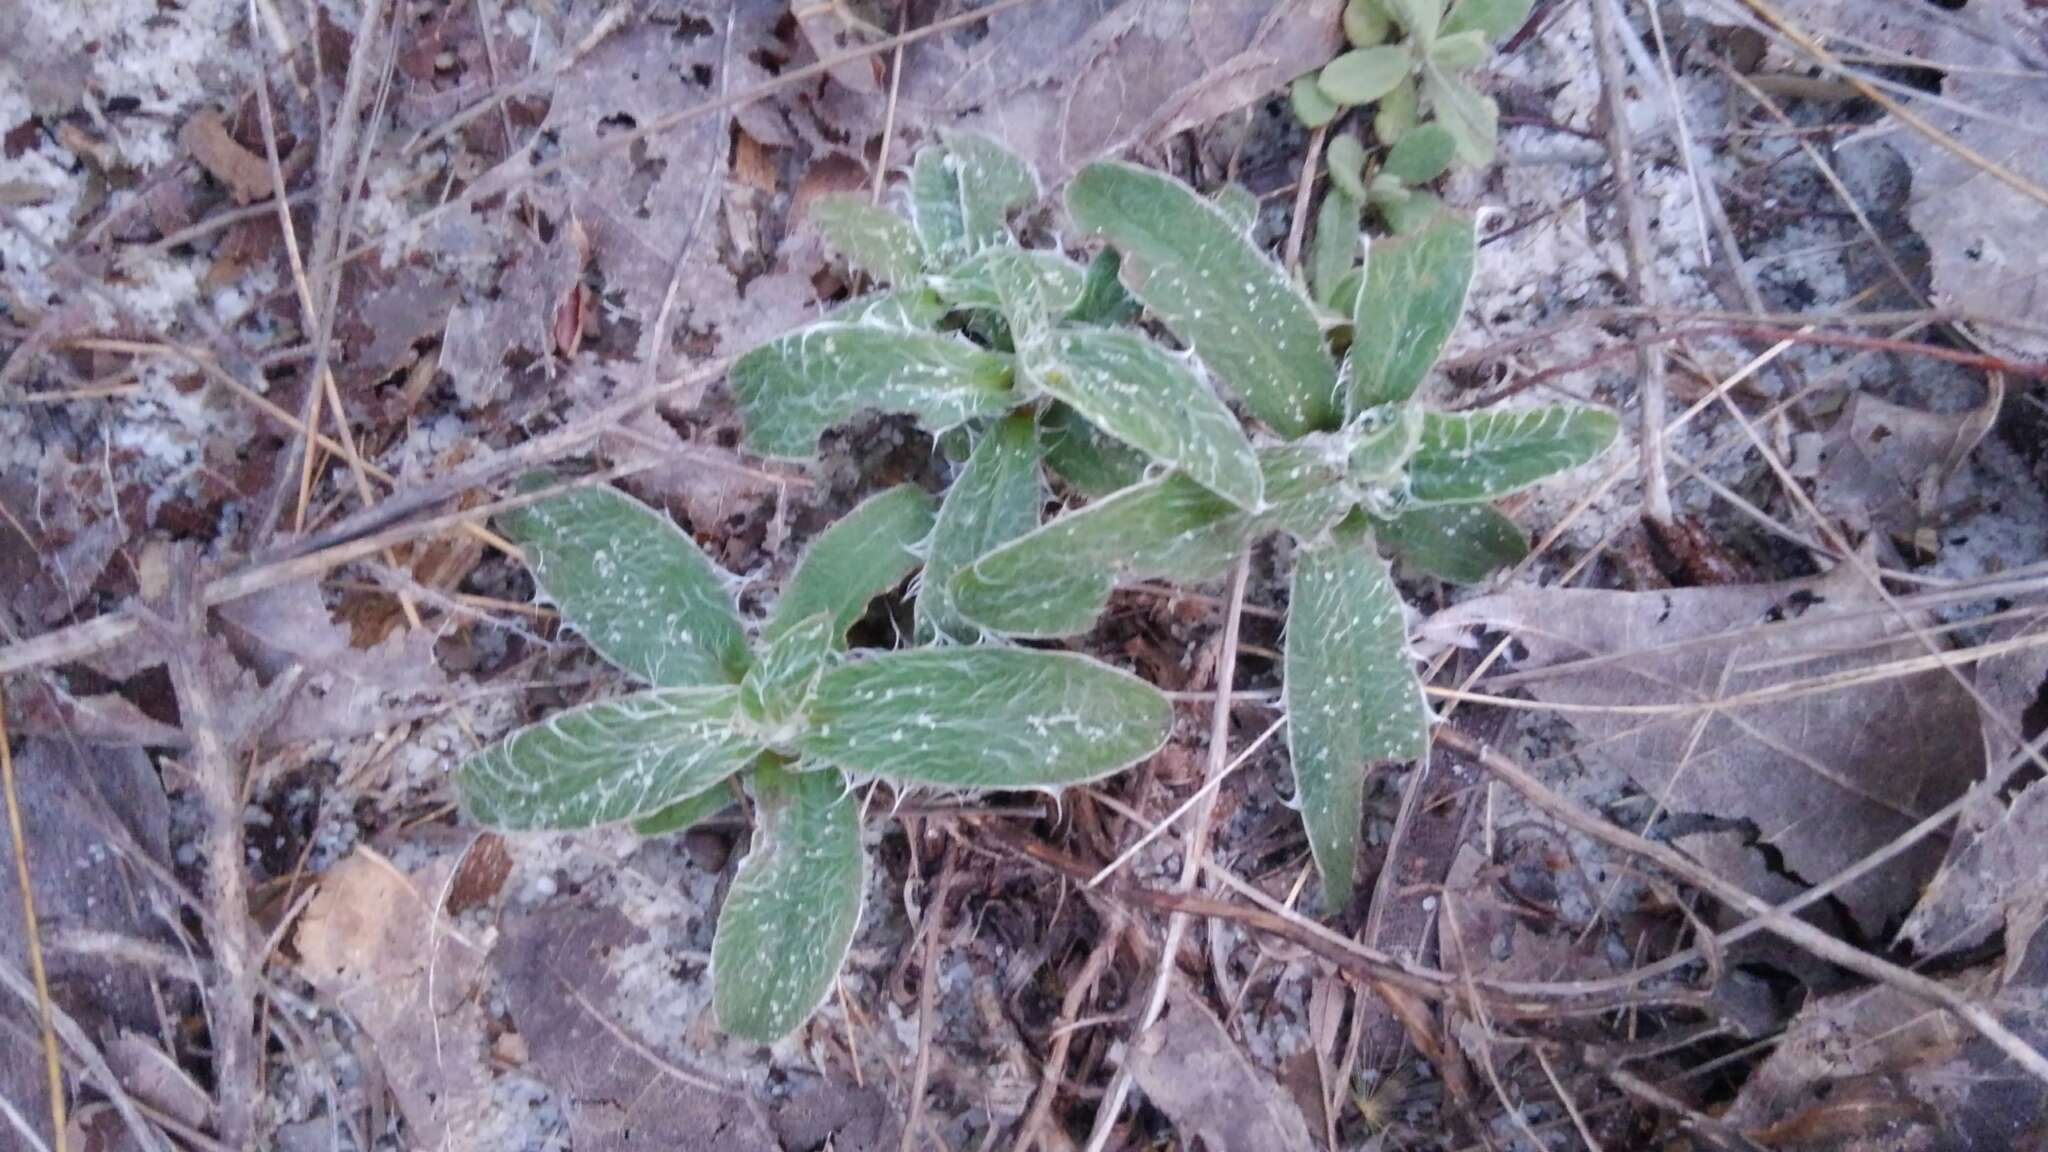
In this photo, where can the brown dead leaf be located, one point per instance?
(1999, 854)
(1189, 1067)
(616, 1093)
(513, 326)
(1876, 1071)
(245, 174)
(1824, 776)
(1065, 83)
(374, 946)
(1889, 467)
(1500, 937)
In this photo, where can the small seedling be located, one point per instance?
(788, 713)
(1360, 465)
(1419, 78)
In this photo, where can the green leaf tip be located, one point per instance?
(1412, 297)
(793, 389)
(1465, 457)
(862, 555)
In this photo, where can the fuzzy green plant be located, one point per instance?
(1418, 78)
(784, 712)
(1354, 465)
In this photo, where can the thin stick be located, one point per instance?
(1201, 796)
(52, 1064)
(1193, 856)
(1768, 917)
(927, 994)
(1642, 274)
(1054, 1070)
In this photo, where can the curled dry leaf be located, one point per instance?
(1889, 466)
(1770, 703)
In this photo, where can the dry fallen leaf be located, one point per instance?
(373, 944)
(1824, 776)
(1063, 84)
(1889, 467)
(246, 175)
(1189, 1067)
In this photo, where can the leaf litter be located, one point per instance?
(532, 310)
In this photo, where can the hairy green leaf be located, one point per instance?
(985, 717)
(1363, 75)
(962, 193)
(1366, 23)
(1413, 296)
(1311, 107)
(639, 590)
(1089, 461)
(779, 684)
(1472, 456)
(613, 760)
(1419, 18)
(1421, 155)
(793, 389)
(1335, 250)
(1238, 203)
(1411, 213)
(862, 555)
(1382, 439)
(1345, 160)
(1305, 490)
(1061, 283)
(1217, 293)
(1397, 112)
(686, 814)
(910, 309)
(1460, 543)
(995, 499)
(1459, 53)
(1353, 698)
(1103, 298)
(1054, 581)
(1492, 19)
(1470, 115)
(1133, 390)
(873, 240)
(793, 908)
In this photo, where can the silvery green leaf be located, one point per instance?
(617, 759)
(985, 717)
(686, 814)
(1460, 543)
(1353, 698)
(1382, 440)
(638, 590)
(995, 499)
(1311, 107)
(1493, 19)
(1459, 53)
(1366, 23)
(1470, 115)
(794, 905)
(779, 684)
(1395, 115)
(1363, 75)
(1413, 296)
(1421, 19)
(1344, 298)
(793, 389)
(873, 240)
(1345, 159)
(862, 555)
(971, 284)
(1089, 461)
(1410, 213)
(1218, 294)
(1305, 490)
(1422, 155)
(1335, 251)
(1471, 456)
(962, 193)
(909, 309)
(1130, 388)
(1054, 581)
(1238, 203)
(1103, 298)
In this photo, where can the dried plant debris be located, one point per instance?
(1190, 1068)
(376, 944)
(1781, 705)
